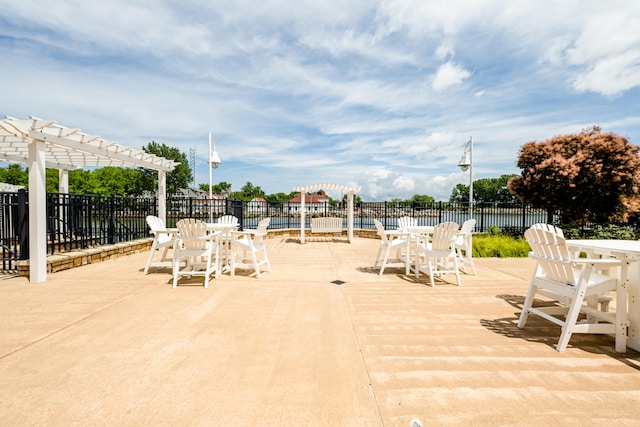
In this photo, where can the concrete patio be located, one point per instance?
(322, 340)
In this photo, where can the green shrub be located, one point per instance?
(609, 231)
(499, 246)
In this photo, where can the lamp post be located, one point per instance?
(466, 163)
(214, 162)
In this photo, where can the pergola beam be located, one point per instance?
(140, 159)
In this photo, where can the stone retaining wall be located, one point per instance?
(72, 259)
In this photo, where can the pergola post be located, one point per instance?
(350, 216)
(302, 216)
(37, 212)
(162, 195)
(63, 181)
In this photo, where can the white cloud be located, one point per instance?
(444, 52)
(382, 94)
(448, 75)
(607, 52)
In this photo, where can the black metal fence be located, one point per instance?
(83, 221)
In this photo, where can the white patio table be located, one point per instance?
(411, 247)
(621, 249)
(420, 229)
(225, 230)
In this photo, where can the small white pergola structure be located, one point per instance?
(349, 191)
(42, 144)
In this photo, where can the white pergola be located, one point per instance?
(349, 191)
(42, 144)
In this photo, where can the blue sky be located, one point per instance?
(379, 94)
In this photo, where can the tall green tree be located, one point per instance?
(80, 182)
(493, 189)
(248, 192)
(590, 176)
(116, 181)
(459, 194)
(14, 174)
(484, 190)
(178, 178)
(421, 199)
(281, 197)
(219, 188)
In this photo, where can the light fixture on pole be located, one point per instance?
(466, 163)
(214, 162)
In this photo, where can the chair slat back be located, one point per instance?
(552, 253)
(228, 219)
(405, 222)
(264, 224)
(468, 226)
(444, 234)
(191, 232)
(380, 229)
(155, 223)
(549, 227)
(261, 231)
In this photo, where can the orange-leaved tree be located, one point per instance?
(589, 176)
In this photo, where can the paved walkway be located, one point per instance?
(322, 340)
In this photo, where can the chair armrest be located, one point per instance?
(247, 233)
(602, 261)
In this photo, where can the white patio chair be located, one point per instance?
(464, 245)
(435, 254)
(198, 248)
(161, 240)
(405, 222)
(575, 285)
(228, 219)
(549, 227)
(392, 240)
(248, 248)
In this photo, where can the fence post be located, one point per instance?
(112, 222)
(236, 209)
(22, 224)
(386, 215)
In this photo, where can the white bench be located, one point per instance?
(326, 225)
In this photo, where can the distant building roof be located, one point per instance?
(318, 197)
(259, 200)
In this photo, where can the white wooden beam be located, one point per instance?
(162, 195)
(150, 162)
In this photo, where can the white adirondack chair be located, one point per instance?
(228, 219)
(390, 241)
(198, 248)
(405, 222)
(549, 227)
(435, 253)
(161, 240)
(464, 245)
(575, 285)
(248, 248)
